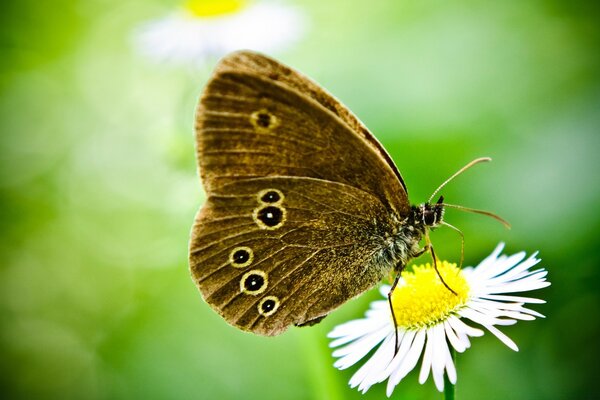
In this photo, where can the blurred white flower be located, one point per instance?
(203, 30)
(429, 316)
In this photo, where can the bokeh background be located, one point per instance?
(98, 190)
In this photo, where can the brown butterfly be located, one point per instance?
(305, 208)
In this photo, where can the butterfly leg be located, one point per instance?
(430, 248)
(462, 243)
(396, 279)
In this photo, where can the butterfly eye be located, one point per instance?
(269, 217)
(254, 282)
(241, 257)
(264, 120)
(429, 217)
(270, 196)
(268, 306)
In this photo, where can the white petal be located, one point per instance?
(505, 339)
(185, 39)
(508, 262)
(538, 275)
(450, 367)
(498, 314)
(353, 330)
(512, 298)
(453, 338)
(463, 329)
(409, 362)
(495, 265)
(510, 310)
(353, 352)
(439, 356)
(516, 269)
(496, 305)
(405, 346)
(483, 319)
(531, 312)
(405, 339)
(386, 355)
(519, 286)
(489, 261)
(427, 357)
(380, 305)
(357, 326)
(384, 290)
(376, 364)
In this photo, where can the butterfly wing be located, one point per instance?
(259, 118)
(320, 252)
(300, 198)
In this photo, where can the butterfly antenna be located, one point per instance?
(457, 173)
(475, 211)
(462, 242)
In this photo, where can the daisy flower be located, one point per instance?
(429, 317)
(203, 30)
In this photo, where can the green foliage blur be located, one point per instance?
(98, 191)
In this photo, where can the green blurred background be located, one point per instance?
(98, 190)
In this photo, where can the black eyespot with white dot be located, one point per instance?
(254, 282)
(270, 197)
(241, 257)
(268, 306)
(271, 216)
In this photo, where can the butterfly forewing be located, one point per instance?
(300, 198)
(266, 67)
(251, 124)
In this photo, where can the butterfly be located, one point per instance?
(305, 209)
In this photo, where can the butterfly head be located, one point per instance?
(428, 215)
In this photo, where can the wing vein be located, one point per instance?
(197, 250)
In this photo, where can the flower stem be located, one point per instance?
(448, 386)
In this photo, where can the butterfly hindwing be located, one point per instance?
(318, 255)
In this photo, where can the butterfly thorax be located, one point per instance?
(404, 244)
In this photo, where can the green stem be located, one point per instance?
(449, 387)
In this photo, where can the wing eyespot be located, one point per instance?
(263, 120)
(269, 217)
(268, 306)
(254, 282)
(270, 196)
(241, 257)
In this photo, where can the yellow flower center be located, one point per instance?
(213, 8)
(422, 300)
